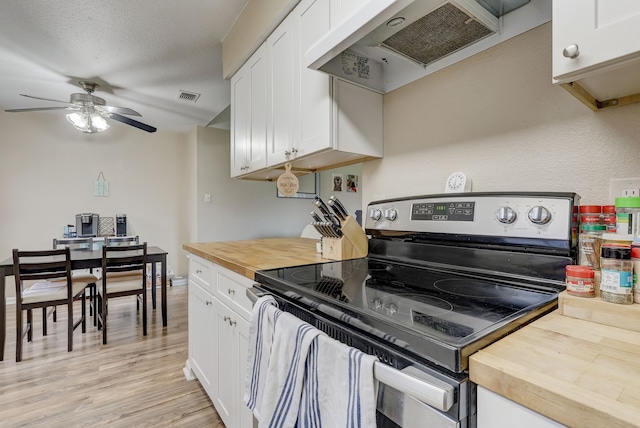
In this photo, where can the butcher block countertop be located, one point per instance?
(573, 370)
(248, 257)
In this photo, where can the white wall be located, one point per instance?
(497, 117)
(47, 175)
(240, 209)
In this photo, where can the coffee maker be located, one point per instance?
(121, 225)
(87, 225)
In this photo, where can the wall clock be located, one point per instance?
(457, 183)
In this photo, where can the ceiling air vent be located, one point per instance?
(187, 96)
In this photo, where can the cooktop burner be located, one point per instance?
(449, 306)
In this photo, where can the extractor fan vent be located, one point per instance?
(187, 96)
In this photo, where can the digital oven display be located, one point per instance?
(443, 211)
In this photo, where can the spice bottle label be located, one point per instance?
(615, 281)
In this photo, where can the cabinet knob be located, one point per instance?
(231, 291)
(571, 51)
(208, 302)
(231, 322)
(294, 150)
(227, 318)
(287, 153)
(198, 271)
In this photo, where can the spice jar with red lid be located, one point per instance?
(580, 281)
(590, 214)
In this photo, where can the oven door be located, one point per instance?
(407, 397)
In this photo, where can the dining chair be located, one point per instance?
(123, 274)
(79, 276)
(49, 271)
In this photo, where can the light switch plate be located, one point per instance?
(207, 198)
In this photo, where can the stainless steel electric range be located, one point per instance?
(445, 276)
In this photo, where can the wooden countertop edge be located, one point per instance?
(565, 402)
(231, 265)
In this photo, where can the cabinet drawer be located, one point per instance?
(201, 272)
(231, 289)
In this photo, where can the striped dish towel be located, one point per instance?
(265, 312)
(285, 373)
(339, 389)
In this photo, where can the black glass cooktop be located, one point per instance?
(415, 307)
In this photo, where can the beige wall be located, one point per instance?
(47, 175)
(497, 117)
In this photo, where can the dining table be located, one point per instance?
(89, 259)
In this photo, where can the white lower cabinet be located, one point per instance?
(496, 411)
(218, 339)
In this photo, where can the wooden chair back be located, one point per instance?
(123, 259)
(39, 266)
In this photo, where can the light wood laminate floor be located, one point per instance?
(133, 381)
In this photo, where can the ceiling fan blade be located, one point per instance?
(45, 99)
(19, 110)
(132, 122)
(120, 110)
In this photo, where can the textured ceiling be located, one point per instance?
(140, 52)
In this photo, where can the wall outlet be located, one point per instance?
(620, 187)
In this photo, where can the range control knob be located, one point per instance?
(506, 215)
(390, 214)
(375, 214)
(539, 215)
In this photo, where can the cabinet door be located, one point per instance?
(605, 32)
(240, 121)
(203, 344)
(249, 115)
(496, 411)
(282, 116)
(312, 21)
(225, 402)
(242, 346)
(340, 9)
(233, 339)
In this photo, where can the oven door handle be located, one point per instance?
(439, 396)
(254, 293)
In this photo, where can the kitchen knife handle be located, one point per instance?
(338, 204)
(336, 210)
(315, 216)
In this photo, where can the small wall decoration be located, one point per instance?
(352, 183)
(101, 186)
(337, 180)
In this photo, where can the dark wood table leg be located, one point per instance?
(153, 285)
(3, 314)
(163, 266)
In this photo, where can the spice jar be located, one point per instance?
(616, 281)
(590, 215)
(580, 281)
(635, 259)
(609, 217)
(589, 244)
(628, 215)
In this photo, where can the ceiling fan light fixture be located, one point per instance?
(88, 122)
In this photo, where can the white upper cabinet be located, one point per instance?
(307, 120)
(599, 33)
(249, 115)
(596, 44)
(282, 60)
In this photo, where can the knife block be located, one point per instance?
(352, 245)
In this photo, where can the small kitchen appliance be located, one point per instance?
(87, 225)
(445, 276)
(121, 225)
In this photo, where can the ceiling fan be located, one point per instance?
(89, 112)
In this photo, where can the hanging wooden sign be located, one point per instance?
(287, 182)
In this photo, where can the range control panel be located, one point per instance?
(525, 215)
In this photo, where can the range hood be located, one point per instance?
(389, 43)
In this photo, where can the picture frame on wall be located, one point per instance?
(352, 183)
(338, 182)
